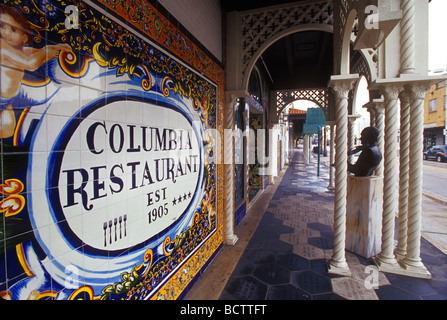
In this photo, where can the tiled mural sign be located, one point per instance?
(108, 178)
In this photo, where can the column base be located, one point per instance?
(338, 270)
(415, 272)
(390, 267)
(231, 239)
(403, 269)
(399, 256)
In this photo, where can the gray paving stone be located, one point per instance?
(286, 257)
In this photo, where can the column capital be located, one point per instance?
(406, 82)
(379, 105)
(389, 88)
(415, 91)
(417, 88)
(353, 117)
(405, 96)
(233, 95)
(390, 91)
(342, 84)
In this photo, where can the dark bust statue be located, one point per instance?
(370, 155)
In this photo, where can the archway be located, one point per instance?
(297, 116)
(346, 40)
(361, 98)
(259, 29)
(320, 97)
(252, 34)
(240, 159)
(258, 135)
(277, 46)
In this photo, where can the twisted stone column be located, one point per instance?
(407, 37)
(306, 147)
(386, 256)
(350, 137)
(372, 117)
(230, 237)
(380, 125)
(412, 261)
(341, 86)
(404, 161)
(332, 156)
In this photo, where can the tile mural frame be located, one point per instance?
(135, 47)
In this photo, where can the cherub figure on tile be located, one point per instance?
(16, 57)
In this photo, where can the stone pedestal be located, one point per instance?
(364, 215)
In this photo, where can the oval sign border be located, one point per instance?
(53, 174)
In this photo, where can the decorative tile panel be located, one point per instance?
(110, 187)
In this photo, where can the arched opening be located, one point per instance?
(361, 97)
(297, 116)
(297, 112)
(300, 58)
(255, 86)
(258, 135)
(346, 45)
(240, 152)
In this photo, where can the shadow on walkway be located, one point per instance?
(285, 258)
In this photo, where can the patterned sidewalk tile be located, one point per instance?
(286, 256)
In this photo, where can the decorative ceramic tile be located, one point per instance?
(109, 176)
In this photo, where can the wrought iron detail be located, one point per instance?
(318, 96)
(259, 26)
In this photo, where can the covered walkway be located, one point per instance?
(284, 255)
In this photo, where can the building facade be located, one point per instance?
(435, 116)
(135, 135)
